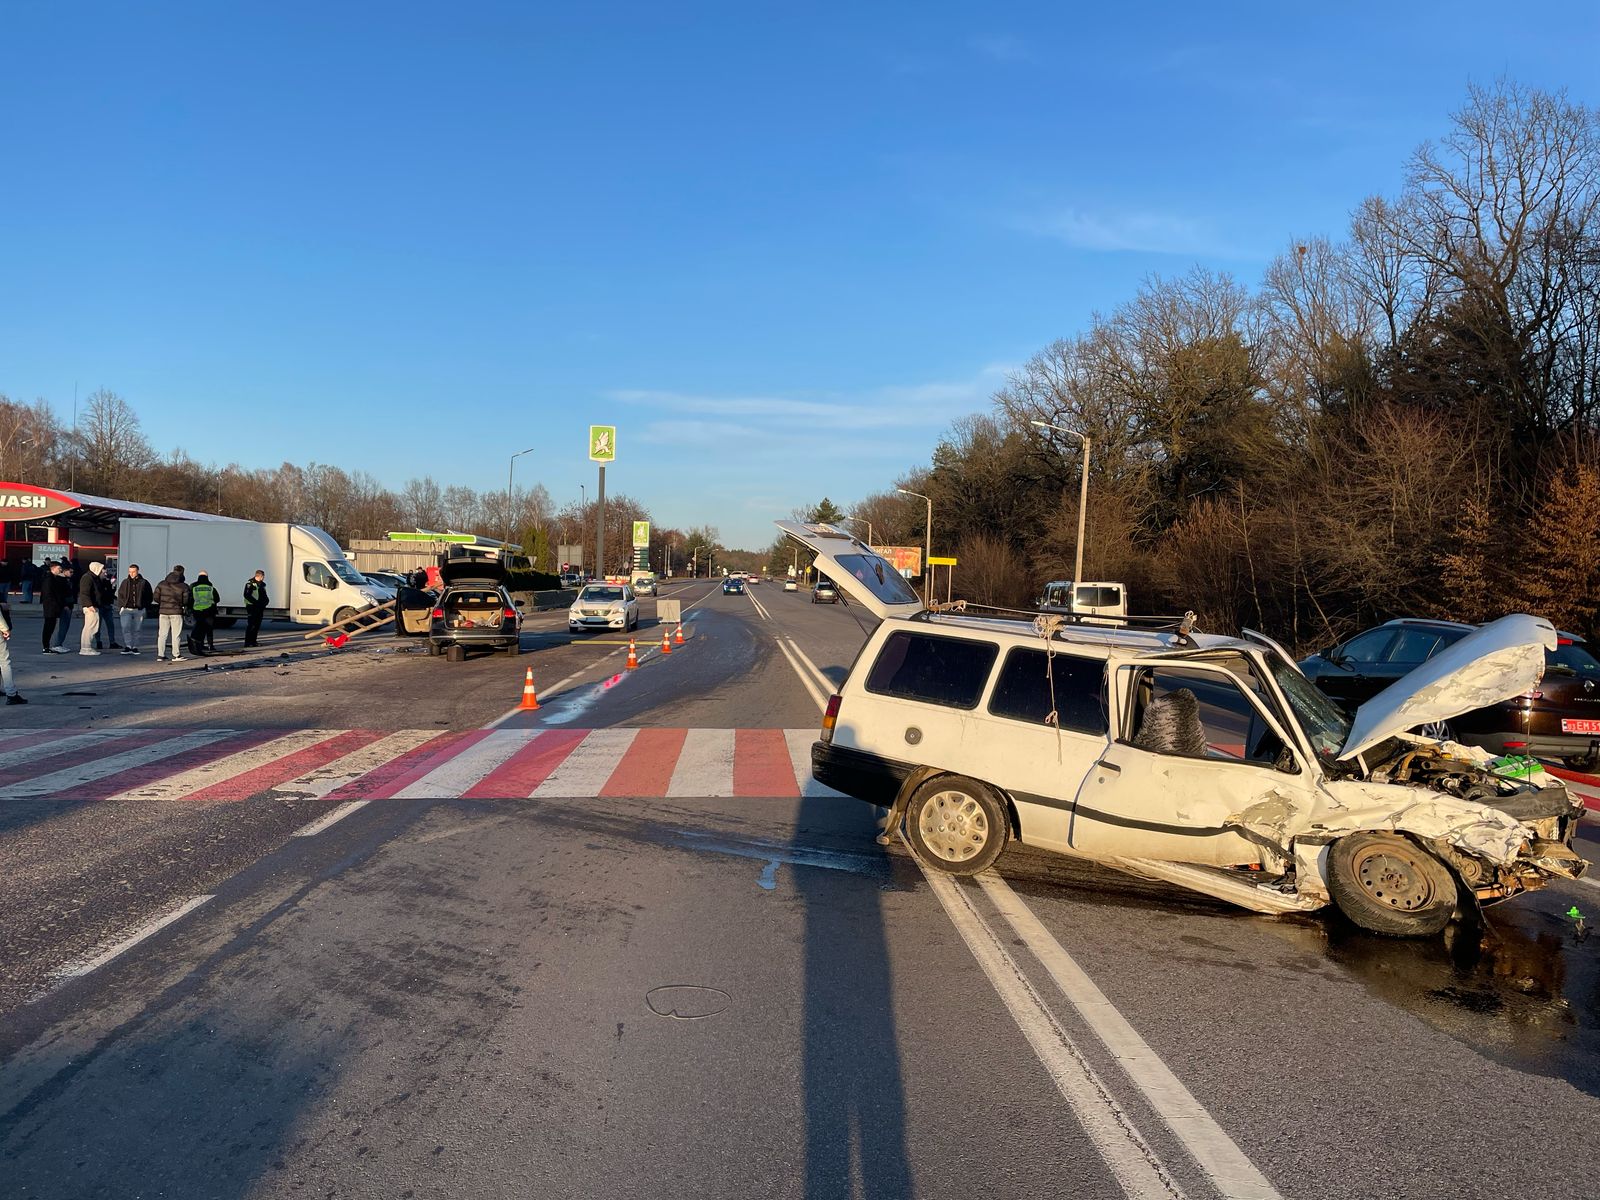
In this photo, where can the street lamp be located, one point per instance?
(510, 470)
(863, 521)
(927, 567)
(1083, 498)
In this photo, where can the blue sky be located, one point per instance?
(780, 249)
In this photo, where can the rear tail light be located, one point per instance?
(830, 717)
(1516, 745)
(438, 614)
(509, 614)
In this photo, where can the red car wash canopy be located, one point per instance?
(43, 523)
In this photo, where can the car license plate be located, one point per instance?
(1580, 726)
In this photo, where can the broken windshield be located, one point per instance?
(1326, 727)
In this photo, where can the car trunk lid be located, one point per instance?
(1490, 665)
(866, 576)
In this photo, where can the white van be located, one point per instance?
(1098, 602)
(1210, 762)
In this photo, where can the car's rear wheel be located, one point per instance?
(1388, 884)
(456, 654)
(956, 825)
(512, 650)
(1581, 762)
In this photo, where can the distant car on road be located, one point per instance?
(604, 606)
(1559, 718)
(571, 580)
(824, 592)
(790, 585)
(733, 586)
(474, 610)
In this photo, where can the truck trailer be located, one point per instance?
(309, 579)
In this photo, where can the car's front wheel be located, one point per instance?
(1388, 884)
(956, 825)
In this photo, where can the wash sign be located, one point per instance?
(603, 443)
(641, 534)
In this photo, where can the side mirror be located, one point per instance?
(333, 584)
(519, 603)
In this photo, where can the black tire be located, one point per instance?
(435, 649)
(1581, 762)
(342, 615)
(512, 650)
(1388, 884)
(226, 622)
(967, 825)
(456, 654)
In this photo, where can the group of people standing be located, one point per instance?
(186, 612)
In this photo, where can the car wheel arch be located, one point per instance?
(921, 775)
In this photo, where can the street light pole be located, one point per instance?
(927, 567)
(1083, 498)
(510, 472)
(865, 522)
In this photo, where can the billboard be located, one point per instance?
(603, 443)
(641, 534)
(906, 559)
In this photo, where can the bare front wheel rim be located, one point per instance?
(1394, 877)
(954, 826)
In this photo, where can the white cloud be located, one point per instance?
(1132, 230)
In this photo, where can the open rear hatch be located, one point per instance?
(866, 577)
(472, 572)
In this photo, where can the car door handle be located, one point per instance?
(1108, 766)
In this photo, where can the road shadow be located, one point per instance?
(199, 1105)
(855, 1113)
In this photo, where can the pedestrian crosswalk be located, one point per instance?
(201, 766)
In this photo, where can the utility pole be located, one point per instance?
(1083, 499)
(510, 471)
(927, 567)
(600, 528)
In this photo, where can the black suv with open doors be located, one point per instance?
(474, 610)
(1558, 718)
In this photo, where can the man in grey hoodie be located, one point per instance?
(89, 605)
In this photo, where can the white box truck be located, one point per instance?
(310, 581)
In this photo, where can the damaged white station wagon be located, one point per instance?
(1208, 762)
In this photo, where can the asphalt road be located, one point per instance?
(672, 968)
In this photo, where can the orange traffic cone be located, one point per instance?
(677, 637)
(633, 655)
(530, 698)
(666, 642)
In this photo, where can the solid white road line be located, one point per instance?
(765, 615)
(556, 688)
(1124, 1150)
(334, 775)
(149, 928)
(100, 768)
(828, 686)
(1228, 1167)
(817, 694)
(705, 765)
(185, 782)
(584, 771)
(454, 777)
(332, 817)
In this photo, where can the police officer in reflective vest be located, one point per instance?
(203, 602)
(255, 606)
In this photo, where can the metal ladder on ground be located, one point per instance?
(365, 621)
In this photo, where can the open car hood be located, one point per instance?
(867, 577)
(1503, 659)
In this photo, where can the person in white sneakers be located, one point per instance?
(172, 601)
(89, 605)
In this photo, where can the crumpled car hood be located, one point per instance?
(1503, 659)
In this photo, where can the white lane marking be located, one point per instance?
(800, 741)
(182, 784)
(331, 817)
(456, 775)
(705, 764)
(1584, 879)
(62, 745)
(828, 686)
(1121, 1146)
(765, 615)
(584, 771)
(148, 929)
(817, 695)
(352, 766)
(100, 768)
(1228, 1167)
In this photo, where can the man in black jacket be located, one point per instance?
(255, 606)
(57, 608)
(133, 600)
(172, 601)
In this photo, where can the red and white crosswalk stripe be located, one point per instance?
(344, 766)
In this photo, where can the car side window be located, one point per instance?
(1032, 686)
(1413, 646)
(1199, 715)
(1367, 647)
(316, 574)
(946, 671)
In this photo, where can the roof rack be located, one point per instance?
(1151, 623)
